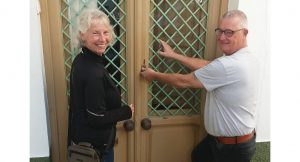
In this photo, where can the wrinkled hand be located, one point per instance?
(132, 108)
(147, 73)
(167, 50)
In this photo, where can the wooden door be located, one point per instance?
(168, 122)
(175, 114)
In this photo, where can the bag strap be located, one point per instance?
(110, 140)
(86, 144)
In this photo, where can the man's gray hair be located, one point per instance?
(237, 13)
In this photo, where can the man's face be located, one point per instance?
(231, 44)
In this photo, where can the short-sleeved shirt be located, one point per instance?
(231, 84)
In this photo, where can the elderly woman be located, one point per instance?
(95, 102)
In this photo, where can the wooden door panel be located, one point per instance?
(172, 143)
(121, 144)
(171, 139)
(175, 113)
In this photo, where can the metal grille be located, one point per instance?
(183, 24)
(115, 55)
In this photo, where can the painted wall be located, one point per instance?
(39, 145)
(258, 41)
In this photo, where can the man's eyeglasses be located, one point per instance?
(227, 32)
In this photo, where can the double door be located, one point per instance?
(168, 122)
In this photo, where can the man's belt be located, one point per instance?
(234, 140)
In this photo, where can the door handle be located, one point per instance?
(128, 125)
(146, 123)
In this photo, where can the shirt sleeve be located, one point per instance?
(212, 75)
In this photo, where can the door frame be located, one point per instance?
(55, 78)
(56, 85)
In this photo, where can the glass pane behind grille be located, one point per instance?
(181, 23)
(115, 55)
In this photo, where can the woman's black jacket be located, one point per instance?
(95, 102)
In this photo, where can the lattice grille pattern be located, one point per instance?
(182, 23)
(115, 55)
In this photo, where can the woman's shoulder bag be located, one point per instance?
(83, 152)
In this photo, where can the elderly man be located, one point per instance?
(231, 84)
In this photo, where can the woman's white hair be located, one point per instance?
(84, 23)
(237, 13)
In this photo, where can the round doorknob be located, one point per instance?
(146, 123)
(128, 125)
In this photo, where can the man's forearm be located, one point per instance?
(190, 62)
(173, 79)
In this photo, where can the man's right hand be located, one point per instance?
(167, 52)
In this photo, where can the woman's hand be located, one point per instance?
(132, 108)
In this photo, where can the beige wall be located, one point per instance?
(39, 145)
(259, 42)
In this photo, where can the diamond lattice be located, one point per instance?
(181, 23)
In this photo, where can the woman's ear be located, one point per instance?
(81, 36)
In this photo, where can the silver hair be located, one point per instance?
(86, 18)
(237, 13)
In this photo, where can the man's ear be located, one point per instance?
(245, 32)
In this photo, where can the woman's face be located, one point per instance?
(97, 37)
